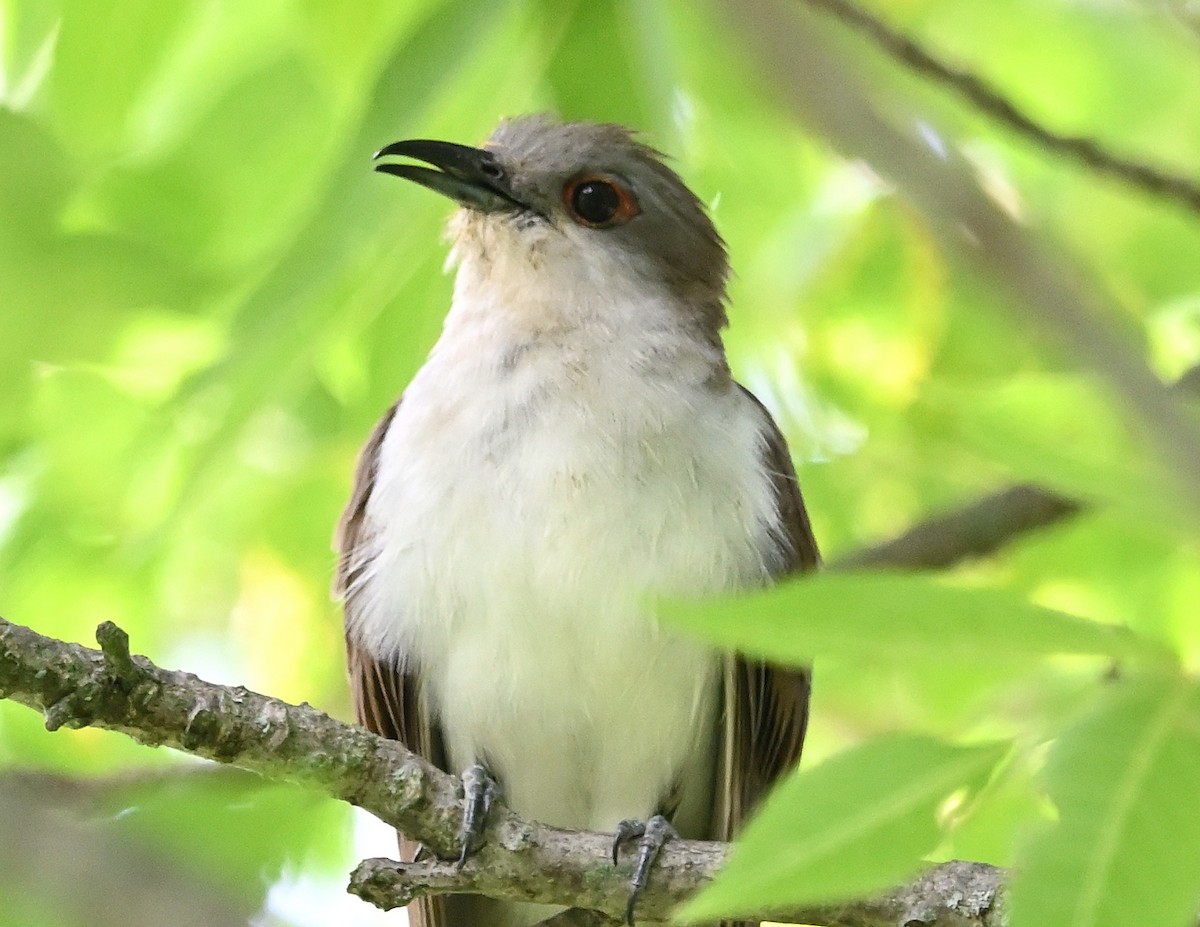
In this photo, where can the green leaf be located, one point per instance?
(592, 43)
(855, 824)
(1126, 848)
(897, 618)
(94, 83)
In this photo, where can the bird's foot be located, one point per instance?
(479, 789)
(651, 836)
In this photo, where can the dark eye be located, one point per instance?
(599, 202)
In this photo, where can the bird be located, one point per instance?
(573, 450)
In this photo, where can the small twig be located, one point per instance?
(114, 644)
(991, 102)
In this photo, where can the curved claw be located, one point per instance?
(651, 836)
(629, 909)
(627, 830)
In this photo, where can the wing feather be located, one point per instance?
(387, 699)
(766, 705)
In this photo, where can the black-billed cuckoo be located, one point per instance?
(573, 447)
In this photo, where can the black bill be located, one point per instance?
(470, 176)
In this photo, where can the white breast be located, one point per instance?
(536, 489)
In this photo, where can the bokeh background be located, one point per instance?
(207, 298)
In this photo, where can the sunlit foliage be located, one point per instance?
(206, 298)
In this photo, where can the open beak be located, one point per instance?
(470, 176)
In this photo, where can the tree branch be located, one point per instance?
(1154, 181)
(76, 687)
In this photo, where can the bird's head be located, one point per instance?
(586, 197)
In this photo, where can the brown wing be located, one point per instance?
(387, 700)
(766, 706)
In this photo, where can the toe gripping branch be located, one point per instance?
(479, 790)
(651, 837)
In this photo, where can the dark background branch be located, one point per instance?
(93, 875)
(981, 527)
(974, 530)
(983, 96)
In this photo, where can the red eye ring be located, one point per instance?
(599, 202)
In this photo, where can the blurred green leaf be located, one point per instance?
(857, 823)
(898, 618)
(599, 37)
(1063, 432)
(107, 53)
(1125, 847)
